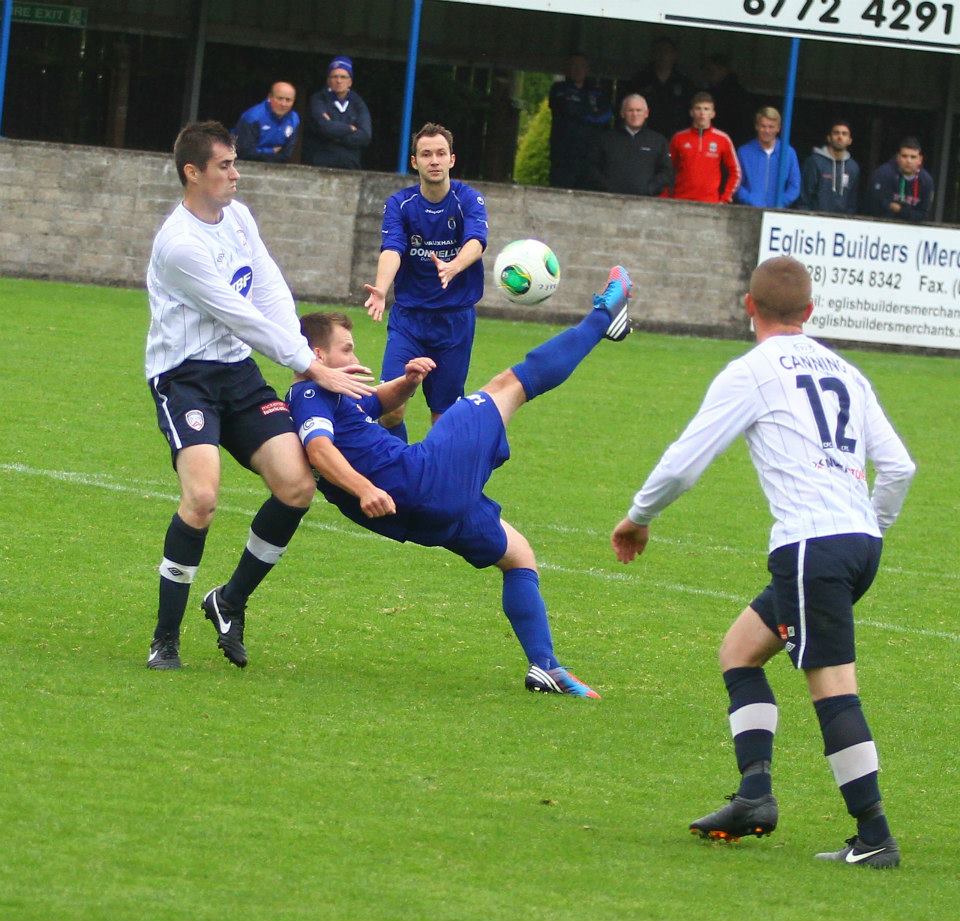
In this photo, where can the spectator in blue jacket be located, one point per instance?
(902, 188)
(338, 126)
(268, 130)
(760, 162)
(829, 177)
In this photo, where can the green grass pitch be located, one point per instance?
(379, 758)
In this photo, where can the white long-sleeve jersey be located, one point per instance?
(215, 293)
(811, 421)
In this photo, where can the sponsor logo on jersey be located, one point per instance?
(433, 211)
(274, 406)
(480, 200)
(476, 398)
(790, 647)
(452, 223)
(194, 418)
(242, 280)
(416, 240)
(308, 393)
(220, 257)
(288, 130)
(242, 236)
(712, 147)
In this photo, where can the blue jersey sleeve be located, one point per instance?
(393, 233)
(372, 406)
(313, 410)
(475, 225)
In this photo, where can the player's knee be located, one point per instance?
(297, 493)
(502, 381)
(197, 506)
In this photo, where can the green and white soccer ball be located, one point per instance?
(527, 271)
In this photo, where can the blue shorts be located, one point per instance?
(446, 336)
(458, 456)
(218, 403)
(809, 602)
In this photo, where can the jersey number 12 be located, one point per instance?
(832, 384)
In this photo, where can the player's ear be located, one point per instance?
(750, 304)
(807, 312)
(413, 160)
(453, 158)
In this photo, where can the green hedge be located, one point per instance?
(532, 165)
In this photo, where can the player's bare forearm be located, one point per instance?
(395, 393)
(326, 459)
(629, 540)
(469, 253)
(387, 267)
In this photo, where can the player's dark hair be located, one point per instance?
(430, 130)
(701, 97)
(317, 328)
(840, 121)
(910, 142)
(194, 145)
(781, 289)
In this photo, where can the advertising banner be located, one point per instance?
(874, 281)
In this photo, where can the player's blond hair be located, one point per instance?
(317, 328)
(781, 289)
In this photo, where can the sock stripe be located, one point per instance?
(263, 550)
(854, 762)
(177, 572)
(753, 716)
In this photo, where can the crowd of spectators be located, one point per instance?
(674, 141)
(669, 140)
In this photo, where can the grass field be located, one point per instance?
(379, 758)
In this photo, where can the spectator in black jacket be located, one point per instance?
(632, 159)
(902, 188)
(337, 127)
(665, 87)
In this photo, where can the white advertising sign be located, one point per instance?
(924, 24)
(872, 281)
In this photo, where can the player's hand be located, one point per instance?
(629, 540)
(418, 368)
(325, 116)
(447, 271)
(896, 207)
(375, 503)
(376, 303)
(349, 380)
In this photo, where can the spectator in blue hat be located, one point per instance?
(337, 127)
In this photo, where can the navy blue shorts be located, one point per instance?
(446, 336)
(219, 403)
(809, 602)
(459, 454)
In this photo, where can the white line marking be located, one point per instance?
(148, 491)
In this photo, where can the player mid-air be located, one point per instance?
(811, 422)
(431, 493)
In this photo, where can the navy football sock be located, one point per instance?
(852, 754)
(552, 362)
(525, 609)
(400, 430)
(270, 532)
(182, 550)
(753, 721)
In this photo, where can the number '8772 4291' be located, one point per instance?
(890, 18)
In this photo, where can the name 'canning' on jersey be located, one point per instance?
(811, 422)
(415, 227)
(215, 292)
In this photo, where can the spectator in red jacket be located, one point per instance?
(704, 160)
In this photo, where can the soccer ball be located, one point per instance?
(527, 271)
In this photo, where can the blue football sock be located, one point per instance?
(552, 362)
(525, 609)
(400, 430)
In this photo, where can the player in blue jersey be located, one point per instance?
(431, 493)
(433, 236)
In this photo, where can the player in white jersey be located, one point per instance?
(811, 422)
(215, 293)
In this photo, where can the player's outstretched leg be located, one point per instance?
(526, 610)
(551, 363)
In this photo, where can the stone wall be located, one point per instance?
(89, 214)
